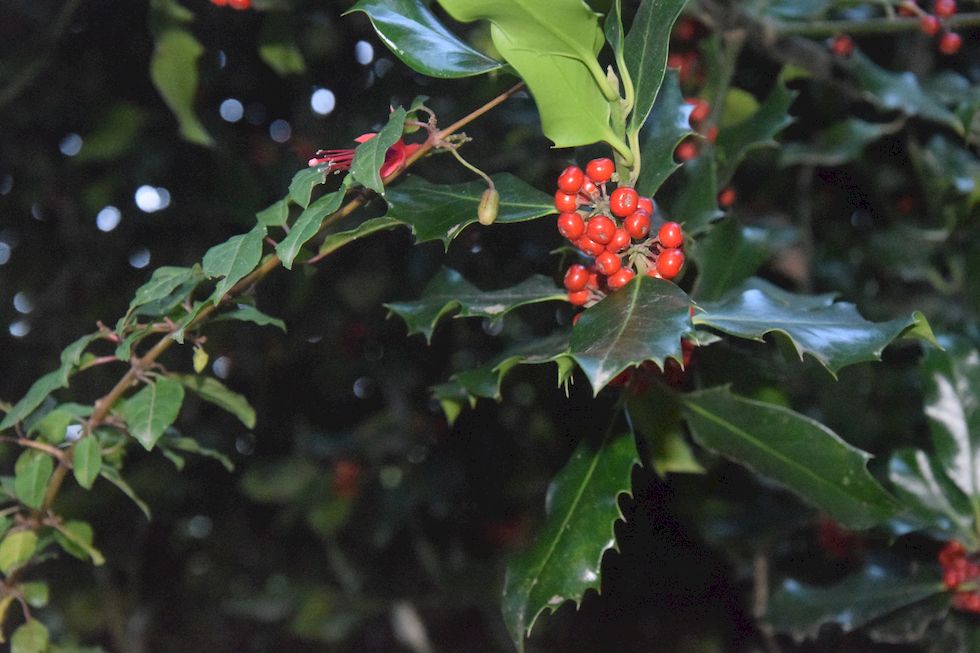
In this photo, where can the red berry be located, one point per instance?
(671, 235)
(623, 201)
(589, 188)
(726, 197)
(950, 42)
(645, 204)
(620, 241)
(842, 46)
(608, 263)
(345, 478)
(700, 111)
(579, 297)
(593, 280)
(685, 29)
(570, 180)
(944, 8)
(600, 170)
(712, 134)
(601, 229)
(620, 278)
(950, 579)
(929, 25)
(670, 262)
(240, 4)
(576, 278)
(571, 225)
(565, 203)
(638, 225)
(589, 246)
(686, 151)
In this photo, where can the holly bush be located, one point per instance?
(696, 285)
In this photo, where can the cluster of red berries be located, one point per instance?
(957, 570)
(930, 25)
(614, 229)
(684, 52)
(240, 5)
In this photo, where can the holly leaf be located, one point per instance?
(448, 292)
(415, 35)
(930, 498)
(657, 416)
(898, 92)
(233, 259)
(666, 126)
(646, 53)
(951, 384)
(793, 450)
(729, 255)
(370, 155)
(31, 474)
(840, 143)
(309, 222)
(86, 460)
(832, 333)
(564, 561)
(150, 411)
(643, 321)
(442, 211)
(696, 205)
(173, 70)
(214, 391)
(759, 130)
(552, 44)
(872, 593)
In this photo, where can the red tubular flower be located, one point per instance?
(341, 159)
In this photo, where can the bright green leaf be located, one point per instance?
(274, 215)
(16, 549)
(214, 391)
(646, 53)
(35, 593)
(302, 185)
(86, 460)
(76, 538)
(167, 287)
(150, 411)
(53, 426)
(31, 474)
(36, 394)
(30, 637)
(416, 36)
(657, 415)
(564, 561)
(643, 321)
(441, 212)
(173, 70)
(930, 497)
(308, 224)
(449, 291)
(793, 450)
(71, 356)
(370, 155)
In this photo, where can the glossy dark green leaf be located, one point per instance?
(552, 44)
(16, 549)
(76, 537)
(833, 333)
(30, 637)
(930, 497)
(793, 450)
(233, 259)
(31, 474)
(370, 155)
(448, 292)
(951, 167)
(840, 143)
(873, 592)
(612, 27)
(36, 394)
(898, 92)
(277, 47)
(564, 560)
(696, 205)
(308, 224)
(248, 313)
(150, 411)
(646, 53)
(666, 126)
(643, 321)
(727, 256)
(173, 70)
(442, 211)
(86, 461)
(910, 624)
(335, 241)
(951, 383)
(214, 391)
(302, 184)
(416, 36)
(759, 130)
(112, 475)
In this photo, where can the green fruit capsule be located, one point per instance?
(489, 204)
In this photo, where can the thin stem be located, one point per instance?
(884, 25)
(469, 166)
(54, 452)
